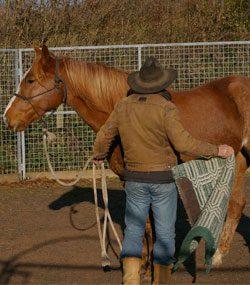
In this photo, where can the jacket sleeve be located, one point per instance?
(105, 136)
(182, 140)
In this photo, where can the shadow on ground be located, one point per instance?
(13, 266)
(117, 208)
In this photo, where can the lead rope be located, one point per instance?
(51, 137)
(105, 199)
(102, 234)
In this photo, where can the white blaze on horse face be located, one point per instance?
(9, 105)
(17, 92)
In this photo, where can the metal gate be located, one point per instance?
(22, 153)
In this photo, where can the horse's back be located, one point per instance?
(210, 113)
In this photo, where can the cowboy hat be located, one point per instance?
(152, 77)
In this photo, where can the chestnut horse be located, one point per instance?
(217, 112)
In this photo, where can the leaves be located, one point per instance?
(101, 22)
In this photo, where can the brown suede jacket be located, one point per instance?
(147, 123)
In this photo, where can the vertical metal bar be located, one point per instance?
(19, 140)
(139, 58)
(23, 155)
(19, 155)
(22, 134)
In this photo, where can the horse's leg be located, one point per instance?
(235, 208)
(146, 266)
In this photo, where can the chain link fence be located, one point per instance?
(22, 153)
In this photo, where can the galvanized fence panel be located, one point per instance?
(196, 64)
(9, 142)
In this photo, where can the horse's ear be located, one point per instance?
(39, 66)
(37, 50)
(45, 55)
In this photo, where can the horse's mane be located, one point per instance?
(99, 86)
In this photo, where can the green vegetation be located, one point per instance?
(111, 22)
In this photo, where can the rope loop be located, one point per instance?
(50, 137)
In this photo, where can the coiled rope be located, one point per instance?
(50, 137)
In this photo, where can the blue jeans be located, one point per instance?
(163, 200)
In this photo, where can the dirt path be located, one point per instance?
(49, 236)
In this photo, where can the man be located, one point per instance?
(149, 126)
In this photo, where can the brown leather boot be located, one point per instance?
(131, 270)
(162, 273)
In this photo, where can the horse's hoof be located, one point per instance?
(217, 258)
(146, 276)
(146, 279)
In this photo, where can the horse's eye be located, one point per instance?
(30, 81)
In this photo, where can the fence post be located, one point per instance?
(21, 135)
(139, 57)
(19, 144)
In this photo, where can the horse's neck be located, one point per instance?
(93, 96)
(93, 119)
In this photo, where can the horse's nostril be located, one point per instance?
(6, 121)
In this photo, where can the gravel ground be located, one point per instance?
(49, 236)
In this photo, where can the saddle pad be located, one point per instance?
(204, 187)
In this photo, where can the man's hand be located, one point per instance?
(97, 162)
(225, 150)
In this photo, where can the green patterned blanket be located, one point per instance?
(204, 187)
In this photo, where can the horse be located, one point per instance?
(216, 112)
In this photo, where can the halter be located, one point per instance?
(56, 86)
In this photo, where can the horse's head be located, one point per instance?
(37, 93)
